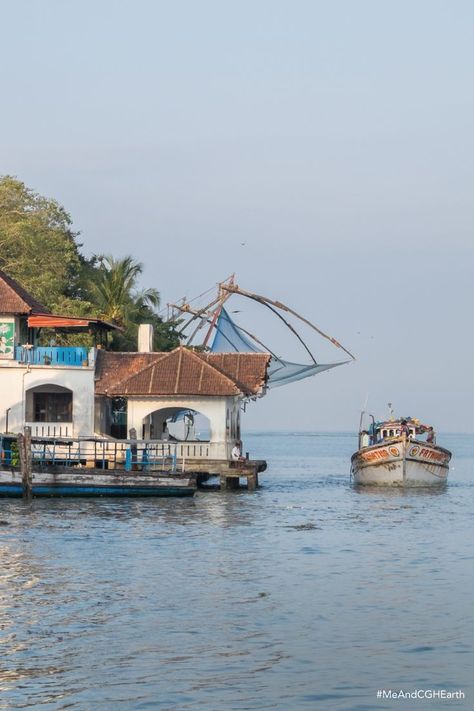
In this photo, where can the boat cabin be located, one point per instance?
(387, 430)
(378, 432)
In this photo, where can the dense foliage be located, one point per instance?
(40, 250)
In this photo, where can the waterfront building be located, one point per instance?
(83, 391)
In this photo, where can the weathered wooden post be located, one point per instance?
(133, 448)
(24, 449)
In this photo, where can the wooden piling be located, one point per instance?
(230, 476)
(24, 449)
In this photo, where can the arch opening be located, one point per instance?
(176, 424)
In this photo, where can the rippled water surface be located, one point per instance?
(307, 594)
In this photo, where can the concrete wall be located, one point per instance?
(220, 411)
(17, 378)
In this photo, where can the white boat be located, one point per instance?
(399, 453)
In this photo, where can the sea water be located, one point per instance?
(306, 594)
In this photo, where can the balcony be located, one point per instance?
(54, 355)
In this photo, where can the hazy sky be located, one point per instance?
(334, 138)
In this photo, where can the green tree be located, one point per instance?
(39, 248)
(115, 293)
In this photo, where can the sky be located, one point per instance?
(334, 139)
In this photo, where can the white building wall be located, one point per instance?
(17, 378)
(216, 410)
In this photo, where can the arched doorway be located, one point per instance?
(176, 424)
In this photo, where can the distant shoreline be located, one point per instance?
(339, 433)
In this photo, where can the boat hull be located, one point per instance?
(67, 483)
(399, 463)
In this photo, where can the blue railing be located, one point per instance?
(52, 355)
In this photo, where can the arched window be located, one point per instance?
(49, 403)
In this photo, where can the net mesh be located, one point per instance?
(229, 337)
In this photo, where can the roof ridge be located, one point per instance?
(204, 360)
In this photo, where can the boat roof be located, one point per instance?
(410, 421)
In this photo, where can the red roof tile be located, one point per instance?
(111, 367)
(180, 372)
(14, 299)
(248, 369)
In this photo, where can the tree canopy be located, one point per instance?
(39, 249)
(37, 245)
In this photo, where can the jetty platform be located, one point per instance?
(49, 466)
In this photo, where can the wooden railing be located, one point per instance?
(53, 355)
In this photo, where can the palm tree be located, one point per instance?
(115, 294)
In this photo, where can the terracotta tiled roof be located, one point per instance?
(14, 299)
(112, 368)
(180, 372)
(248, 369)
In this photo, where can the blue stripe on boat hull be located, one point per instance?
(79, 490)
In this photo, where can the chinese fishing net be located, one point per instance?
(229, 337)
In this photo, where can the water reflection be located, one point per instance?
(397, 492)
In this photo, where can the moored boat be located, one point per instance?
(399, 453)
(89, 467)
(65, 482)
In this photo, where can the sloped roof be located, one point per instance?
(249, 369)
(15, 300)
(112, 367)
(180, 372)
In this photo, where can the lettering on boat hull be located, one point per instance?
(405, 464)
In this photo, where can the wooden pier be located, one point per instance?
(104, 466)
